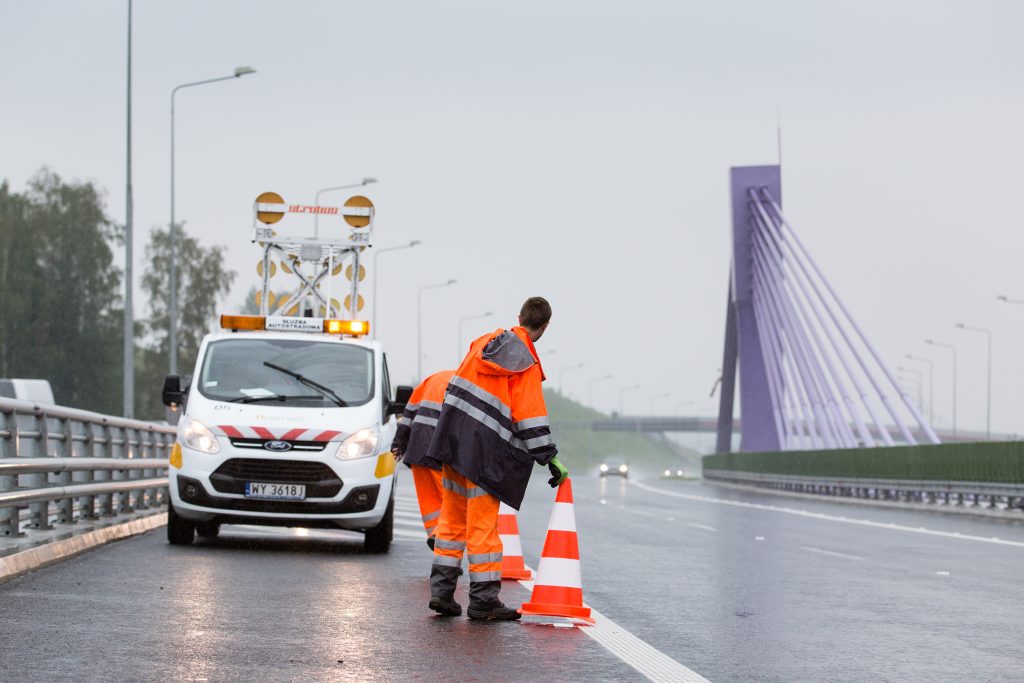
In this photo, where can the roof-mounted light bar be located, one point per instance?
(276, 323)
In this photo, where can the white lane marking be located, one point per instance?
(421, 536)
(412, 523)
(830, 518)
(408, 515)
(647, 660)
(831, 553)
(705, 527)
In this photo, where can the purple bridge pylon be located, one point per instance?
(809, 378)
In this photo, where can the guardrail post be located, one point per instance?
(9, 524)
(106, 499)
(124, 498)
(39, 513)
(87, 504)
(66, 449)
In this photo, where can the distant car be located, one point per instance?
(614, 468)
(673, 474)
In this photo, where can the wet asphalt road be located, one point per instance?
(734, 593)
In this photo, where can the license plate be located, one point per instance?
(256, 489)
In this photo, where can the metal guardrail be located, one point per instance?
(62, 465)
(901, 490)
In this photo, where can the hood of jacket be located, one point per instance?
(507, 352)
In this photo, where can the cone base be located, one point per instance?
(516, 575)
(567, 611)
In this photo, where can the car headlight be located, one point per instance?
(668, 473)
(604, 468)
(679, 473)
(623, 468)
(198, 436)
(360, 445)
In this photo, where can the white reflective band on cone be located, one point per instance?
(557, 571)
(511, 545)
(562, 518)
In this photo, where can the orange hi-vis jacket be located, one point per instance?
(493, 425)
(417, 423)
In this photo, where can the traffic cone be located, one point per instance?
(512, 565)
(558, 589)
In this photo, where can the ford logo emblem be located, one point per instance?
(277, 446)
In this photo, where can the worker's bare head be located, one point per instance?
(535, 316)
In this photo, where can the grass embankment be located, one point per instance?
(583, 450)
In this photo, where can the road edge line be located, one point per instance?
(16, 564)
(629, 648)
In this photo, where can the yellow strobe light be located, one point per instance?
(356, 328)
(243, 322)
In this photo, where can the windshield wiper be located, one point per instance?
(327, 391)
(270, 397)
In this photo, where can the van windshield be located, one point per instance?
(313, 374)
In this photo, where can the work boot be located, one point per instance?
(445, 607)
(494, 611)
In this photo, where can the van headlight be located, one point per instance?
(360, 445)
(604, 468)
(198, 436)
(623, 468)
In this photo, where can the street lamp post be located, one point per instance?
(622, 397)
(458, 351)
(561, 375)
(988, 400)
(374, 323)
(931, 385)
(918, 377)
(590, 395)
(953, 349)
(316, 199)
(419, 325)
(1003, 297)
(128, 366)
(172, 312)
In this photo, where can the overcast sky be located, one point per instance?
(575, 150)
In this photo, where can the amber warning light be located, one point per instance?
(274, 323)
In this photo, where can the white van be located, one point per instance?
(285, 427)
(37, 390)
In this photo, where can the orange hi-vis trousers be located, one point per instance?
(429, 493)
(469, 523)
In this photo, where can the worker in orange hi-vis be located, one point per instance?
(493, 426)
(415, 429)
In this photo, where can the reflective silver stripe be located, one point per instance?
(485, 396)
(476, 577)
(424, 420)
(478, 415)
(449, 545)
(411, 407)
(432, 515)
(430, 404)
(485, 557)
(463, 491)
(448, 560)
(531, 423)
(537, 441)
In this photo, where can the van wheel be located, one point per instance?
(180, 531)
(208, 529)
(378, 539)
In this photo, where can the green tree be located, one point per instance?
(203, 280)
(60, 302)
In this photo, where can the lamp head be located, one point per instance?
(451, 282)
(369, 181)
(961, 326)
(244, 71)
(1002, 297)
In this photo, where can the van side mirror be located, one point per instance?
(402, 396)
(173, 394)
